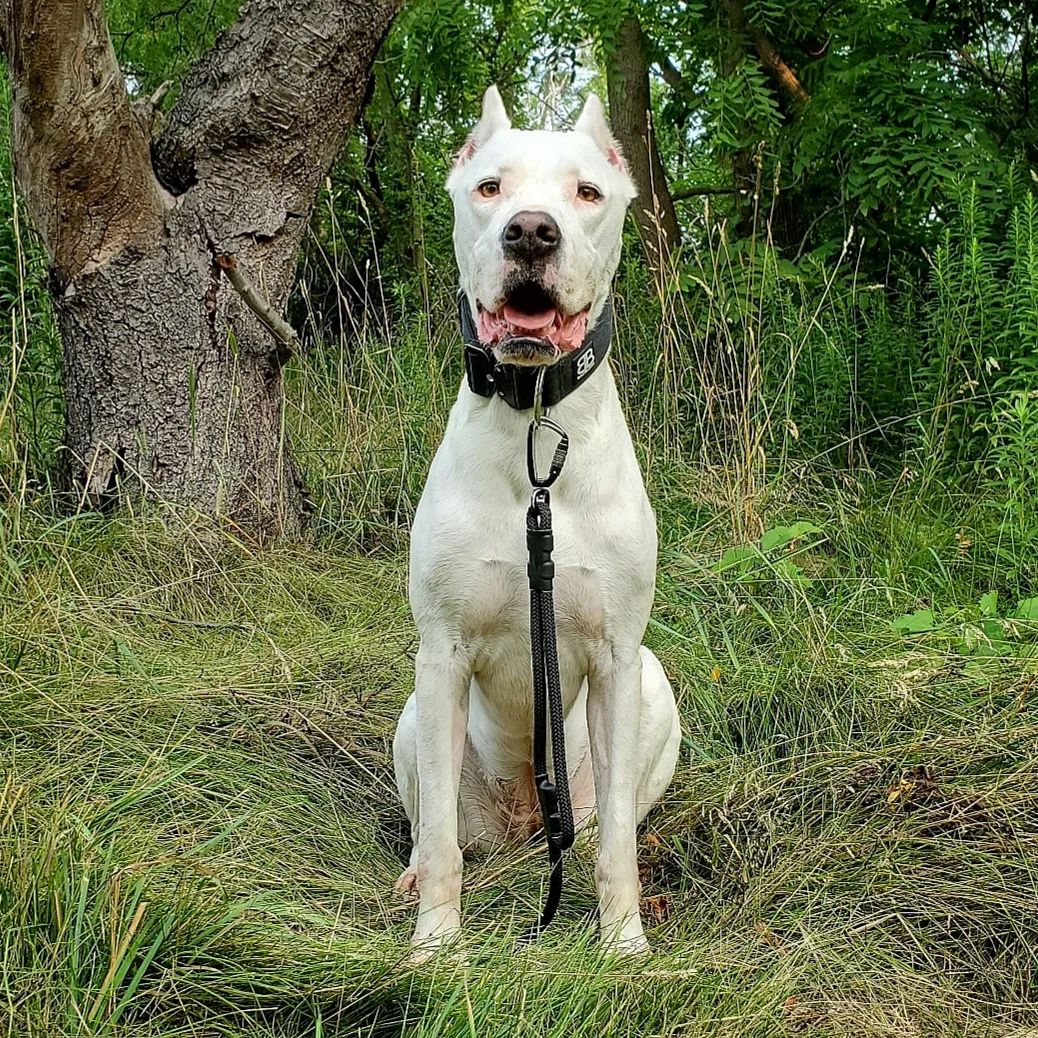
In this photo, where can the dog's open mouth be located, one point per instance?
(530, 313)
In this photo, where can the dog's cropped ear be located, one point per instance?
(493, 118)
(592, 121)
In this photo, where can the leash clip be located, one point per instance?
(561, 448)
(558, 458)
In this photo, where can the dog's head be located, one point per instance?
(538, 216)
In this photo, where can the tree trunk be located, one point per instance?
(744, 179)
(745, 160)
(173, 384)
(630, 113)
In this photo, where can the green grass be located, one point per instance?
(199, 830)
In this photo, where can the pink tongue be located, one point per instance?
(528, 322)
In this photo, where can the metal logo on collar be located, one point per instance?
(585, 362)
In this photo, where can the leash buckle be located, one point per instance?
(550, 815)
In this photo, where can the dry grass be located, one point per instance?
(199, 830)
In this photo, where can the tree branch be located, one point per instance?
(671, 73)
(262, 115)
(970, 64)
(777, 68)
(81, 156)
(682, 194)
(282, 331)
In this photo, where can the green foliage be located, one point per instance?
(978, 388)
(157, 41)
(442, 54)
(916, 622)
(986, 640)
(888, 132)
(741, 109)
(775, 555)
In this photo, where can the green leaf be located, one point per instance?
(994, 631)
(788, 569)
(780, 536)
(740, 558)
(1026, 609)
(776, 537)
(989, 604)
(914, 623)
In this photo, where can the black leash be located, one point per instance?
(554, 798)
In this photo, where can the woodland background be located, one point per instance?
(828, 349)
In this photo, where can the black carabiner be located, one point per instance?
(558, 458)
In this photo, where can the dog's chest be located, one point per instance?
(496, 628)
(497, 612)
(469, 582)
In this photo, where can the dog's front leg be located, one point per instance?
(614, 707)
(443, 670)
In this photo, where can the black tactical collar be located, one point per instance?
(516, 383)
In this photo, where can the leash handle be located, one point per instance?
(551, 902)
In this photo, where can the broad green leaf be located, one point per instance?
(780, 536)
(1026, 609)
(914, 623)
(740, 557)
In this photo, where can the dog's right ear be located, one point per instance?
(493, 118)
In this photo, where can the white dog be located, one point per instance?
(538, 219)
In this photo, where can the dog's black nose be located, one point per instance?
(530, 235)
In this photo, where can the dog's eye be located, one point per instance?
(489, 188)
(588, 193)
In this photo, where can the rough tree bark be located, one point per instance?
(173, 384)
(630, 109)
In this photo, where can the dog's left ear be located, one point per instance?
(592, 121)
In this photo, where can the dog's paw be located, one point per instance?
(407, 883)
(626, 941)
(631, 948)
(436, 936)
(449, 952)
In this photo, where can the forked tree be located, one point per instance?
(172, 257)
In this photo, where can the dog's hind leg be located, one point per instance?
(627, 690)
